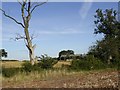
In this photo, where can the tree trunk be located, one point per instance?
(29, 46)
(31, 55)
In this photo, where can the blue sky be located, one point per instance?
(57, 26)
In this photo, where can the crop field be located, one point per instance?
(8, 64)
(60, 63)
(61, 78)
(68, 44)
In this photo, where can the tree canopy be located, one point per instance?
(107, 23)
(3, 53)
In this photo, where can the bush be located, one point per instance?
(46, 62)
(95, 63)
(88, 63)
(115, 63)
(9, 72)
(79, 65)
(28, 67)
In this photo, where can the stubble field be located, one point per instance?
(62, 78)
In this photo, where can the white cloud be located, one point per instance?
(67, 31)
(85, 8)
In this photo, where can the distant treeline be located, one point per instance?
(8, 60)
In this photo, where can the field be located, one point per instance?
(61, 78)
(8, 64)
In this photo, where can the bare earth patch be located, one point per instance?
(90, 79)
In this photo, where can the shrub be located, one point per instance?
(115, 63)
(95, 63)
(46, 62)
(88, 63)
(80, 65)
(9, 72)
(28, 67)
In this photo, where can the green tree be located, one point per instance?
(66, 53)
(3, 53)
(106, 23)
(102, 50)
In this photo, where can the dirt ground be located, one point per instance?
(92, 79)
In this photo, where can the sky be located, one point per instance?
(56, 25)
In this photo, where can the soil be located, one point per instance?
(92, 79)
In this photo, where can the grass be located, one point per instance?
(11, 64)
(45, 75)
(57, 77)
(60, 78)
(49, 74)
(60, 63)
(15, 64)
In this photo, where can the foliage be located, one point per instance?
(88, 63)
(28, 67)
(3, 53)
(94, 62)
(106, 22)
(103, 49)
(9, 72)
(66, 54)
(108, 48)
(46, 62)
(119, 65)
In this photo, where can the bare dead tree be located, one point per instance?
(27, 8)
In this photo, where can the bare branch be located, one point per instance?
(12, 18)
(19, 2)
(22, 10)
(29, 4)
(37, 6)
(33, 4)
(29, 14)
(32, 37)
(22, 4)
(20, 37)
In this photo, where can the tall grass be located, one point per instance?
(46, 75)
(36, 75)
(11, 64)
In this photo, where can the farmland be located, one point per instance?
(77, 58)
(8, 64)
(61, 78)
